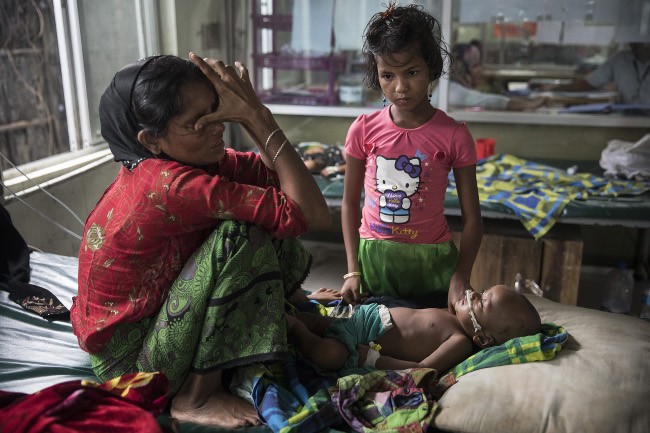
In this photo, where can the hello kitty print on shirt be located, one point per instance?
(396, 180)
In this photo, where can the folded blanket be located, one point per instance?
(539, 347)
(538, 193)
(126, 403)
(389, 400)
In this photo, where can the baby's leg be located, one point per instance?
(314, 322)
(203, 400)
(328, 353)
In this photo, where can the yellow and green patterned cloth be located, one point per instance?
(539, 347)
(538, 193)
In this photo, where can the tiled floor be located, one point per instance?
(328, 266)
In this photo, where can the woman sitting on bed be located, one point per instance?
(412, 338)
(188, 257)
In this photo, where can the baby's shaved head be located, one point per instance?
(522, 318)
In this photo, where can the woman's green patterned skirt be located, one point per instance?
(225, 309)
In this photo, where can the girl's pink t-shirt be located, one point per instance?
(406, 174)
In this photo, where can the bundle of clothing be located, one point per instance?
(628, 160)
(15, 275)
(324, 159)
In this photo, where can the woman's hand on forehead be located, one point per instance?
(238, 101)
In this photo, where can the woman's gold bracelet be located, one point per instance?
(351, 274)
(279, 150)
(266, 145)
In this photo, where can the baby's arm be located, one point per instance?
(385, 362)
(454, 350)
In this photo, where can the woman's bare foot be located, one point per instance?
(325, 295)
(221, 409)
(202, 400)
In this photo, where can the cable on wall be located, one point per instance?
(47, 193)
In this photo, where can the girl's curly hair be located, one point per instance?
(398, 29)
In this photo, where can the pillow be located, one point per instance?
(539, 347)
(598, 382)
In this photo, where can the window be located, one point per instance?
(58, 58)
(31, 92)
(308, 52)
(521, 42)
(106, 44)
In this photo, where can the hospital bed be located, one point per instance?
(598, 382)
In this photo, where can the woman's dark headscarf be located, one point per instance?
(118, 124)
(144, 96)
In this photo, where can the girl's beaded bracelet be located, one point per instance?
(351, 274)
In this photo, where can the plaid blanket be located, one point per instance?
(538, 193)
(390, 400)
(539, 347)
(292, 397)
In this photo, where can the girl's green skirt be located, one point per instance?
(403, 270)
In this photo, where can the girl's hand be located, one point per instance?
(350, 292)
(238, 101)
(457, 287)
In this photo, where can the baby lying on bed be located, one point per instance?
(400, 338)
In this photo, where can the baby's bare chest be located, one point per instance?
(418, 332)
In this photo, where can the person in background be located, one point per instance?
(467, 57)
(399, 338)
(464, 97)
(468, 66)
(627, 70)
(479, 80)
(465, 78)
(189, 255)
(399, 244)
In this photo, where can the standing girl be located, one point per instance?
(399, 243)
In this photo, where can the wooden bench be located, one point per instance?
(553, 261)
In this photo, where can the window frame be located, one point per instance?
(84, 150)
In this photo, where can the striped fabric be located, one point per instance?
(538, 193)
(539, 347)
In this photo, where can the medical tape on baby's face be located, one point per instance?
(477, 327)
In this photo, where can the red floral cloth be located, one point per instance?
(150, 221)
(127, 403)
